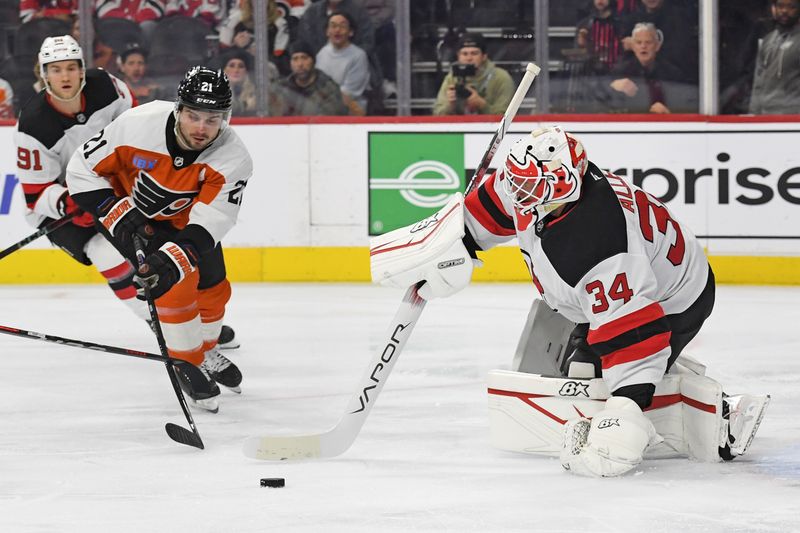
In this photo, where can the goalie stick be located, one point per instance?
(44, 230)
(177, 433)
(339, 438)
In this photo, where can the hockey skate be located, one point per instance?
(227, 339)
(743, 414)
(222, 370)
(198, 386)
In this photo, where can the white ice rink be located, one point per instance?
(83, 449)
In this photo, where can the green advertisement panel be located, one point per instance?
(412, 175)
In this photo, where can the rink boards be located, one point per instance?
(320, 189)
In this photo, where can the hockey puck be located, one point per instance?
(273, 482)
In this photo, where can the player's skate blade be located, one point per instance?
(201, 391)
(222, 370)
(227, 339)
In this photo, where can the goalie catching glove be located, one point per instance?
(166, 267)
(611, 444)
(430, 251)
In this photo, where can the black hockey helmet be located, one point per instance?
(205, 89)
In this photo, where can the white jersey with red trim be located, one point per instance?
(46, 139)
(616, 259)
(138, 155)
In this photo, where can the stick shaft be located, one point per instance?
(41, 232)
(162, 346)
(511, 111)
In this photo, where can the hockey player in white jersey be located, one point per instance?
(604, 253)
(75, 104)
(174, 174)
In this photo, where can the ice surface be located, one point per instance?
(83, 447)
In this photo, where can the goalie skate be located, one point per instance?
(744, 414)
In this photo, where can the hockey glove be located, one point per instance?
(123, 220)
(165, 268)
(67, 206)
(611, 444)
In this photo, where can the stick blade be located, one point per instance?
(184, 436)
(283, 448)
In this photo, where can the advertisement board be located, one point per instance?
(320, 190)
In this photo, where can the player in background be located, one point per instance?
(174, 174)
(75, 105)
(606, 255)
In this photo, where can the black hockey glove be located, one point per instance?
(123, 220)
(165, 268)
(581, 361)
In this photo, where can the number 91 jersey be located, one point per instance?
(138, 155)
(616, 259)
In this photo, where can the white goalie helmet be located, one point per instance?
(544, 170)
(60, 48)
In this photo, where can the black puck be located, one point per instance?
(274, 482)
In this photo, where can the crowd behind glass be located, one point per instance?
(340, 57)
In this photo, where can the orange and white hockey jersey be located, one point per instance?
(138, 155)
(616, 259)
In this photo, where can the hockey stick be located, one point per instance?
(338, 439)
(177, 433)
(41, 232)
(186, 367)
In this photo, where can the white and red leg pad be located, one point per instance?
(527, 413)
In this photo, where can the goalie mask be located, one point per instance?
(61, 48)
(544, 170)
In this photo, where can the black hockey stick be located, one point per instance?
(187, 367)
(177, 433)
(41, 232)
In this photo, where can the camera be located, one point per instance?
(461, 72)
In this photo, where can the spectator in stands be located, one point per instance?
(133, 70)
(487, 91)
(144, 12)
(345, 62)
(60, 9)
(237, 65)
(238, 31)
(209, 11)
(599, 34)
(314, 24)
(645, 83)
(678, 25)
(6, 99)
(308, 91)
(776, 82)
(381, 14)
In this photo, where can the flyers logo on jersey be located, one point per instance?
(154, 199)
